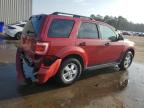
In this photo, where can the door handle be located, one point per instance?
(107, 44)
(82, 44)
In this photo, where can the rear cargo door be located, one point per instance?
(31, 34)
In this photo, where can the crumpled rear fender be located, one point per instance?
(45, 73)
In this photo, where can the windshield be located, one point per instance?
(32, 28)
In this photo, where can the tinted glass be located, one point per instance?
(32, 28)
(106, 32)
(60, 28)
(88, 30)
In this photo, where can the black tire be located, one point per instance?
(67, 63)
(18, 35)
(123, 65)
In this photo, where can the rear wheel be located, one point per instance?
(69, 71)
(127, 60)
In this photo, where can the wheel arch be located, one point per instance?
(121, 65)
(17, 33)
(78, 57)
(132, 50)
(74, 52)
(125, 51)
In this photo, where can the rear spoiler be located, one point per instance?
(37, 16)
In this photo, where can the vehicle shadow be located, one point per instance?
(52, 84)
(10, 88)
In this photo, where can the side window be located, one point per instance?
(60, 28)
(88, 30)
(107, 33)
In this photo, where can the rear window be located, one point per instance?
(60, 28)
(32, 28)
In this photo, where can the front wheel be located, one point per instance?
(18, 35)
(127, 60)
(69, 71)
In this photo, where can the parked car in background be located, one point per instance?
(15, 30)
(126, 33)
(135, 33)
(141, 34)
(63, 45)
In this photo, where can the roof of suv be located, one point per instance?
(72, 15)
(80, 17)
(66, 15)
(85, 18)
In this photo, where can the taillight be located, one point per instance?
(41, 48)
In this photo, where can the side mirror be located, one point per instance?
(120, 37)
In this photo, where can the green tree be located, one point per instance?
(120, 23)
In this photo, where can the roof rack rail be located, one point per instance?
(37, 16)
(73, 15)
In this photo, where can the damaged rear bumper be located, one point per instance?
(43, 74)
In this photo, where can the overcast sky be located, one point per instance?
(130, 9)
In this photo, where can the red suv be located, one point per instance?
(62, 45)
